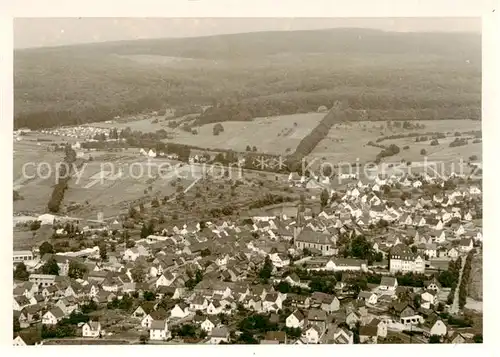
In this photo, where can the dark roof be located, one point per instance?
(276, 336)
(158, 324)
(388, 281)
(310, 236)
(30, 337)
(368, 330)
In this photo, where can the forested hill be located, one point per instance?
(257, 44)
(387, 75)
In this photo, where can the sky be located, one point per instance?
(43, 32)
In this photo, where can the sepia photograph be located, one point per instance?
(272, 181)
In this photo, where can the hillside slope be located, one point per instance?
(251, 75)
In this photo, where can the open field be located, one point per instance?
(273, 135)
(145, 125)
(32, 179)
(110, 187)
(347, 142)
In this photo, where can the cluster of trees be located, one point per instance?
(449, 278)
(464, 284)
(454, 269)
(193, 279)
(62, 184)
(17, 196)
(411, 279)
(188, 330)
(266, 270)
(77, 270)
(218, 128)
(391, 150)
(285, 288)
(125, 303)
(21, 273)
(361, 248)
(419, 136)
(434, 142)
(225, 158)
(311, 140)
(147, 229)
(50, 267)
(269, 199)
(458, 142)
(252, 325)
(224, 211)
(248, 148)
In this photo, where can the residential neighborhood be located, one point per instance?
(363, 268)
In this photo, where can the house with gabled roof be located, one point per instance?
(53, 316)
(466, 245)
(180, 310)
(209, 323)
(91, 329)
(368, 297)
(218, 335)
(388, 283)
(24, 338)
(295, 320)
(368, 334)
(158, 330)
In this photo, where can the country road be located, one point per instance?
(455, 307)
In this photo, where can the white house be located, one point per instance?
(166, 279)
(313, 334)
(295, 320)
(218, 335)
(214, 307)
(180, 311)
(388, 283)
(438, 328)
(209, 324)
(453, 253)
(368, 297)
(131, 254)
(466, 245)
(428, 298)
(159, 330)
(279, 260)
(198, 304)
(381, 327)
(52, 316)
(91, 329)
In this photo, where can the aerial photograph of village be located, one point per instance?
(256, 181)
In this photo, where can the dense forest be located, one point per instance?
(380, 75)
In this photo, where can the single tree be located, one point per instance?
(50, 267)
(76, 270)
(21, 273)
(324, 198)
(138, 274)
(46, 248)
(103, 252)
